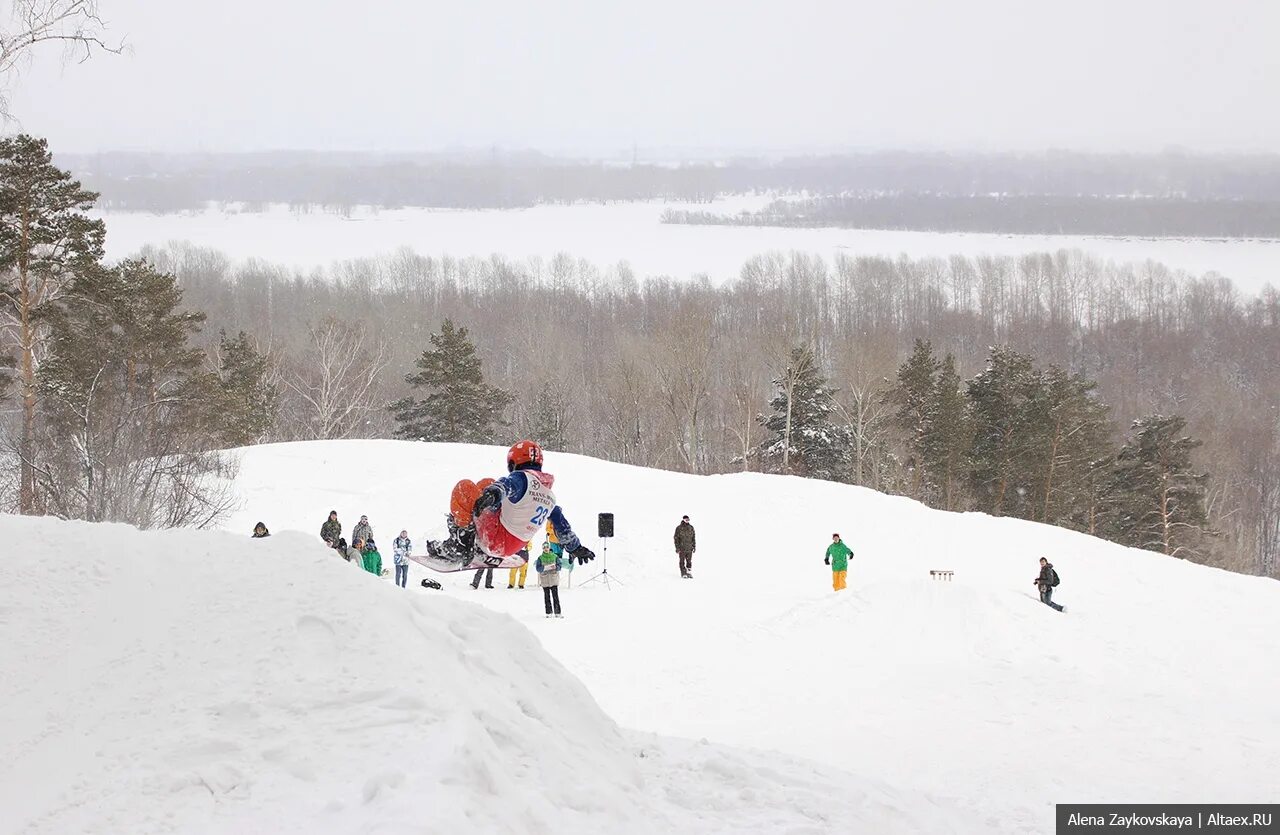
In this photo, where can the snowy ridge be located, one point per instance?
(191, 682)
(1156, 685)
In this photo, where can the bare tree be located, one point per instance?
(76, 25)
(335, 383)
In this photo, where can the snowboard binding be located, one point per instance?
(431, 584)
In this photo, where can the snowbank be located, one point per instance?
(1158, 683)
(189, 682)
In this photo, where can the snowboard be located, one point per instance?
(478, 562)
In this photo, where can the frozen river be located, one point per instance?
(632, 232)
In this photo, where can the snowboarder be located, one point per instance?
(401, 547)
(549, 578)
(260, 531)
(1047, 580)
(331, 530)
(518, 574)
(686, 543)
(371, 559)
(362, 531)
(838, 558)
(490, 523)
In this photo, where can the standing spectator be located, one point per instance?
(686, 544)
(1046, 581)
(371, 559)
(400, 550)
(353, 553)
(331, 530)
(488, 580)
(260, 531)
(838, 558)
(523, 571)
(549, 579)
(362, 531)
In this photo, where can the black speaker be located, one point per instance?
(605, 528)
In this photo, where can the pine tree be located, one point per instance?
(912, 393)
(1003, 399)
(247, 401)
(802, 436)
(459, 405)
(126, 406)
(1156, 498)
(46, 240)
(947, 439)
(1072, 438)
(547, 419)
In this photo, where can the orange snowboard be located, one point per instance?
(464, 497)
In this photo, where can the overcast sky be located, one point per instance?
(597, 76)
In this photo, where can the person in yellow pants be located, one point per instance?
(521, 572)
(838, 558)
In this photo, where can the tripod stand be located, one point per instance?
(603, 576)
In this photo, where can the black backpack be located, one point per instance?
(1054, 572)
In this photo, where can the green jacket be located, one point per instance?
(373, 562)
(839, 554)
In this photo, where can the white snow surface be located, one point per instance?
(201, 682)
(1158, 684)
(631, 232)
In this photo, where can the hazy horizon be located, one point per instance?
(588, 79)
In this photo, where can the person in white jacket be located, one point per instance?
(400, 550)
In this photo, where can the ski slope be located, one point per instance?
(1158, 684)
(202, 682)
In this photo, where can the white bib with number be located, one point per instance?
(525, 517)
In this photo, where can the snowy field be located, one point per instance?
(190, 682)
(607, 235)
(1157, 685)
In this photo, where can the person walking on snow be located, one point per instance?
(362, 531)
(521, 572)
(1046, 581)
(838, 558)
(401, 547)
(686, 543)
(549, 578)
(331, 530)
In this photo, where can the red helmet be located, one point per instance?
(524, 455)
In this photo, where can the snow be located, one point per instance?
(1158, 684)
(193, 682)
(609, 234)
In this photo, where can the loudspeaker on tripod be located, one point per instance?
(605, 525)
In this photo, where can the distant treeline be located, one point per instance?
(178, 182)
(1024, 214)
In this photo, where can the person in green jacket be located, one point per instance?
(838, 558)
(372, 559)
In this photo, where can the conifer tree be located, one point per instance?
(126, 405)
(947, 439)
(46, 240)
(247, 401)
(458, 405)
(1002, 399)
(912, 394)
(1072, 437)
(1156, 497)
(803, 438)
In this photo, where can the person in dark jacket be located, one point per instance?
(1046, 583)
(260, 531)
(363, 531)
(686, 543)
(331, 530)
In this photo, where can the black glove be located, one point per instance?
(583, 554)
(826, 560)
(491, 497)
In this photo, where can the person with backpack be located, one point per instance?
(838, 558)
(548, 569)
(401, 547)
(1047, 581)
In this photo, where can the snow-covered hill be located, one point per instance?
(1158, 684)
(192, 682)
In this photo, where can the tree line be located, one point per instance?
(505, 179)
(1039, 214)
(686, 374)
